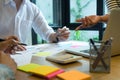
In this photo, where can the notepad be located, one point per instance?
(28, 67)
(74, 75)
(43, 71)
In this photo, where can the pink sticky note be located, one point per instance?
(54, 74)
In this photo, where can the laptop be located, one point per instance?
(112, 30)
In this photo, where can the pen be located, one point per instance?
(18, 43)
(22, 44)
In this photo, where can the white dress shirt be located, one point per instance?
(19, 23)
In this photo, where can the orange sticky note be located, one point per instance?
(74, 75)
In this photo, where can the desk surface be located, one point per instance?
(81, 65)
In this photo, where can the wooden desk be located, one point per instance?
(81, 65)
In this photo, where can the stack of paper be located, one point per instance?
(41, 70)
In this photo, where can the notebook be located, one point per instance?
(112, 30)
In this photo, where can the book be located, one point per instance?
(74, 75)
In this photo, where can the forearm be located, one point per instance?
(104, 18)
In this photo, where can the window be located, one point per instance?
(47, 9)
(60, 13)
(81, 8)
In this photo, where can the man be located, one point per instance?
(17, 17)
(88, 21)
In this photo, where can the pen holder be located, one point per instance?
(100, 56)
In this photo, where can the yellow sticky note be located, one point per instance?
(44, 70)
(42, 54)
(28, 67)
(74, 75)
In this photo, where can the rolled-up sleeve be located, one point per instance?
(41, 26)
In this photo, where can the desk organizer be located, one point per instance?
(100, 56)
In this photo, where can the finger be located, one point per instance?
(64, 29)
(79, 20)
(87, 22)
(90, 21)
(79, 27)
(84, 23)
(9, 50)
(13, 37)
(61, 32)
(19, 48)
(64, 33)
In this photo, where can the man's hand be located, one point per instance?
(63, 33)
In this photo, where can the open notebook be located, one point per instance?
(112, 30)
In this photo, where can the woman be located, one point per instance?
(7, 65)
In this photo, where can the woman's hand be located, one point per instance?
(10, 45)
(88, 21)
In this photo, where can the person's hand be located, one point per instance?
(12, 37)
(63, 33)
(88, 21)
(10, 46)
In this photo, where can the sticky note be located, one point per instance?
(51, 75)
(43, 70)
(74, 75)
(28, 67)
(42, 54)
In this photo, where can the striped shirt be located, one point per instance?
(112, 4)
